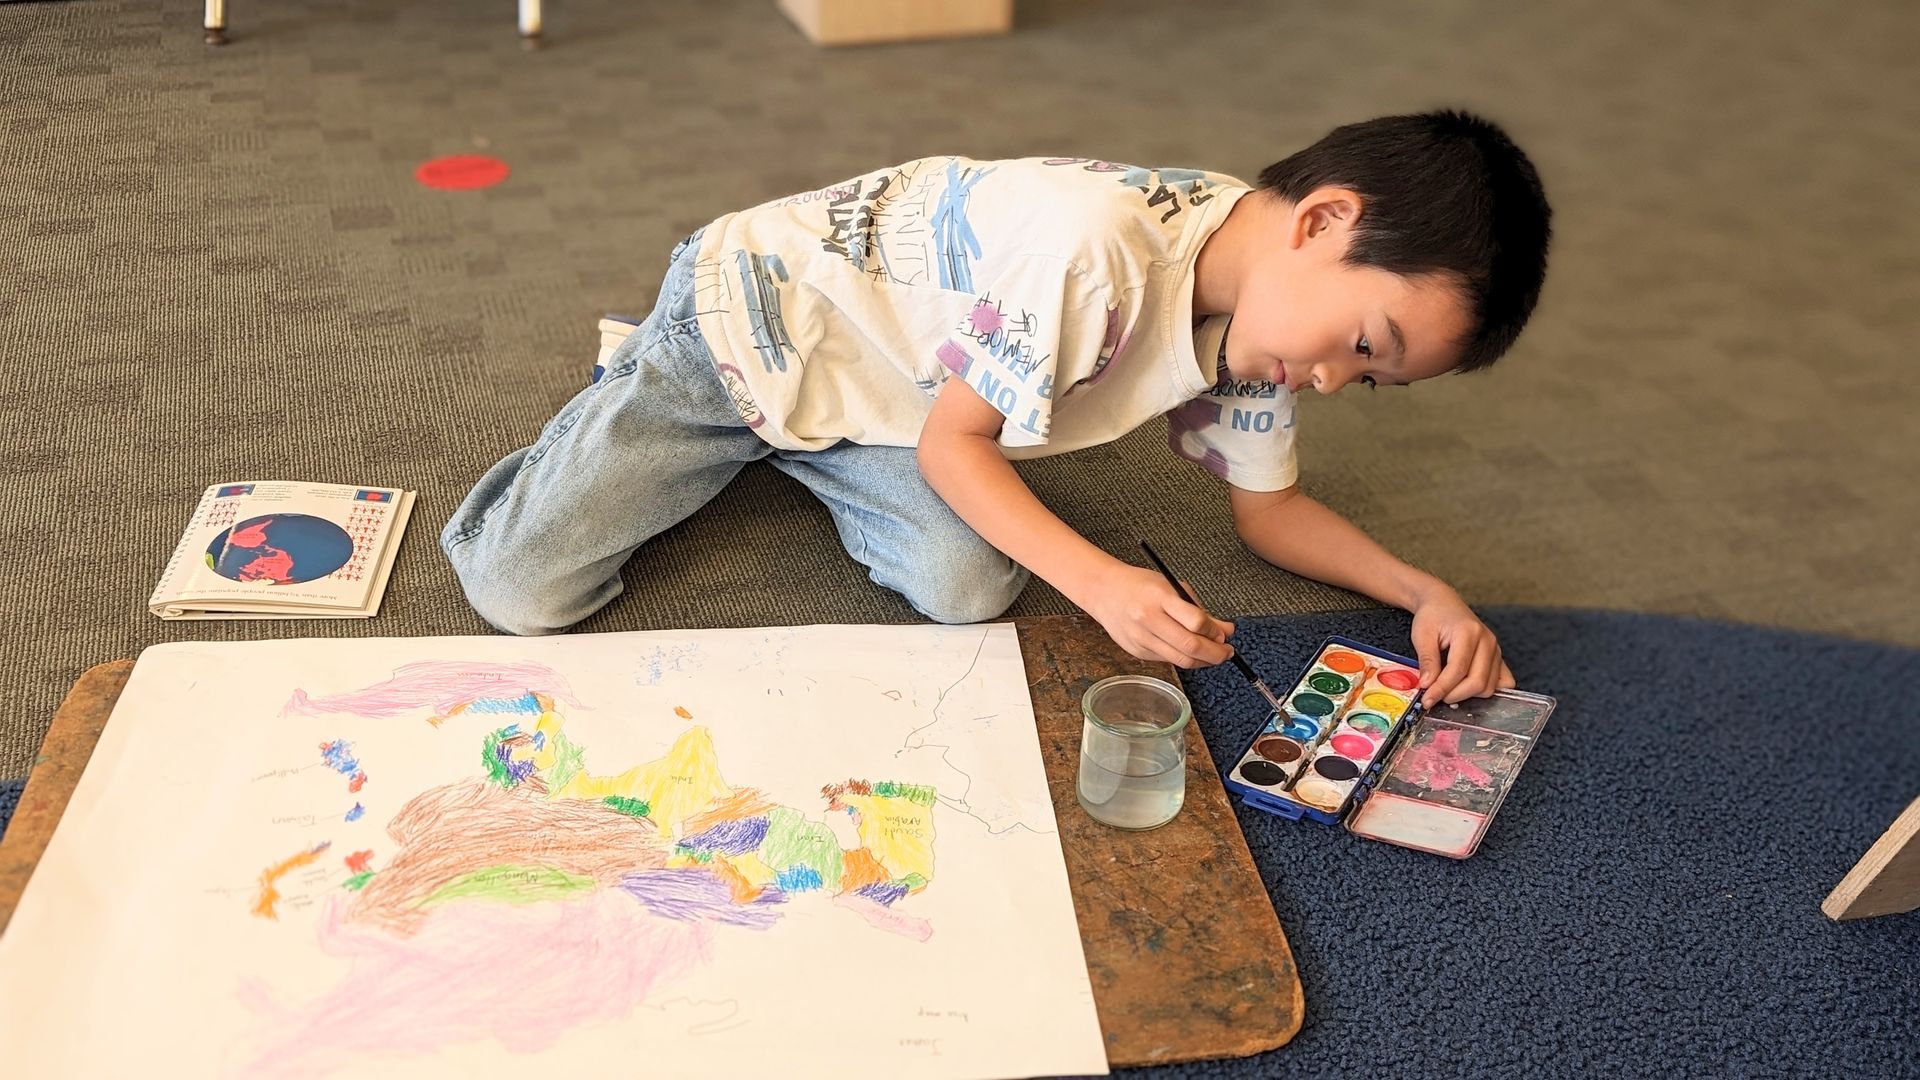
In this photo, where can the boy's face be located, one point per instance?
(1307, 319)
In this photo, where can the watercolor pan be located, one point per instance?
(1370, 756)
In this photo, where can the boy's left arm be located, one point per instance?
(1293, 532)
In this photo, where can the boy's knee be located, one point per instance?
(505, 598)
(511, 613)
(980, 586)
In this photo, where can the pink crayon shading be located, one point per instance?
(520, 976)
(881, 917)
(447, 685)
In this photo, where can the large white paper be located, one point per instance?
(795, 852)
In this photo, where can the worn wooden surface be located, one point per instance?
(63, 755)
(1187, 959)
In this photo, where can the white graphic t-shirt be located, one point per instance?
(1060, 289)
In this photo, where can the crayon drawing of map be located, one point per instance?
(821, 851)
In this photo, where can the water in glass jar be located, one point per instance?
(1132, 785)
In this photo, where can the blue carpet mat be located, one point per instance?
(9, 799)
(1647, 902)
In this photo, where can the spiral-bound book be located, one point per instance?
(277, 549)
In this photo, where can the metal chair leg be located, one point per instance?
(216, 22)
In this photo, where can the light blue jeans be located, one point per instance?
(539, 542)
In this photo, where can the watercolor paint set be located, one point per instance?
(1355, 746)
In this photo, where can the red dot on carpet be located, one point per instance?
(462, 172)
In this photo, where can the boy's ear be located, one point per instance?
(1326, 213)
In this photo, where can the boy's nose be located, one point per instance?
(1329, 378)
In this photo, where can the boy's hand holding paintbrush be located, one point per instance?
(1179, 587)
(1443, 625)
(1154, 621)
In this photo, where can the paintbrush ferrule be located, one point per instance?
(1267, 692)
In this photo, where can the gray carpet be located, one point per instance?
(215, 265)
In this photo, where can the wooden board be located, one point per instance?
(867, 22)
(63, 756)
(1187, 958)
(1886, 880)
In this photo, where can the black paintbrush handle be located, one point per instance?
(1245, 668)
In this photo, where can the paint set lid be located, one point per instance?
(1449, 773)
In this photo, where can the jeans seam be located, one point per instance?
(860, 534)
(534, 453)
(673, 328)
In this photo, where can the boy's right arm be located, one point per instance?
(961, 460)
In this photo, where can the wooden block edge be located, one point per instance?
(1853, 898)
(827, 27)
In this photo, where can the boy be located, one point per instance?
(892, 340)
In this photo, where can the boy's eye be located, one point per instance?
(1368, 380)
(1363, 346)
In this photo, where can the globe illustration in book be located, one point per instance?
(283, 549)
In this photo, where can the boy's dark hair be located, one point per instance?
(1446, 193)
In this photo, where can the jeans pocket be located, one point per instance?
(676, 301)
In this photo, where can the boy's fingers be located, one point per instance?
(1208, 651)
(1196, 619)
(1506, 677)
(1427, 648)
(1457, 668)
(1191, 649)
(1479, 673)
(1170, 653)
(1473, 664)
(1484, 664)
(1152, 644)
(1190, 616)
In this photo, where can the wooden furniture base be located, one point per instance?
(1187, 958)
(1886, 880)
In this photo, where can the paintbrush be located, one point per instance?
(1238, 660)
